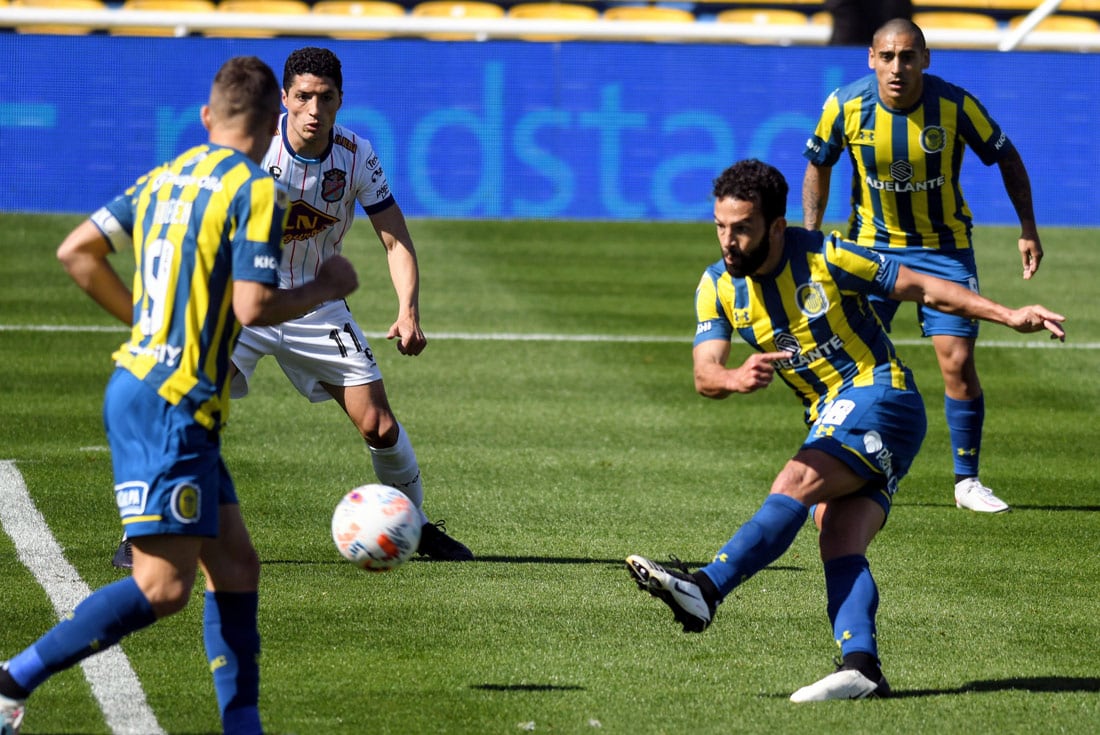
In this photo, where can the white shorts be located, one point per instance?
(324, 346)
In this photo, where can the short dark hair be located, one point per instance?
(903, 26)
(245, 86)
(320, 62)
(757, 182)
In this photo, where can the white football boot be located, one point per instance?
(842, 684)
(676, 589)
(971, 494)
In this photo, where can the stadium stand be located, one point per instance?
(457, 9)
(552, 11)
(359, 9)
(949, 22)
(766, 17)
(956, 20)
(58, 29)
(274, 7)
(1051, 29)
(174, 6)
(649, 14)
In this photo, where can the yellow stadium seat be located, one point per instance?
(1067, 6)
(1061, 23)
(552, 11)
(648, 14)
(58, 29)
(950, 19)
(456, 9)
(956, 20)
(176, 6)
(267, 7)
(982, 5)
(763, 17)
(359, 9)
(1056, 24)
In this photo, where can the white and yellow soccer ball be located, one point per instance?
(376, 527)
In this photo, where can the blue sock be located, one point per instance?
(759, 542)
(965, 420)
(853, 602)
(98, 622)
(233, 649)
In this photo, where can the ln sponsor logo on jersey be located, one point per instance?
(304, 221)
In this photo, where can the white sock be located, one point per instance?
(397, 467)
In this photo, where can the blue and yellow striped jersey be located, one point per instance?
(905, 163)
(207, 218)
(813, 306)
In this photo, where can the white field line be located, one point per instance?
(545, 337)
(113, 681)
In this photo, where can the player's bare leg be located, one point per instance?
(964, 408)
(394, 460)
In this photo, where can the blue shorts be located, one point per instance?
(169, 473)
(951, 265)
(877, 432)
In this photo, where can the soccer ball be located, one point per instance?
(376, 527)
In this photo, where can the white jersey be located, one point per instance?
(323, 192)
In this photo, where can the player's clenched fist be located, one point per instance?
(757, 371)
(339, 275)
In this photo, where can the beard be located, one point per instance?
(751, 259)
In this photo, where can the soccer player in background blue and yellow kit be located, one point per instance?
(906, 133)
(206, 231)
(800, 299)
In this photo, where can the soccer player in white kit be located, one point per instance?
(328, 169)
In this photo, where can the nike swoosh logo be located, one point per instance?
(692, 591)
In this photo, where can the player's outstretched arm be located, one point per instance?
(951, 298)
(258, 304)
(84, 254)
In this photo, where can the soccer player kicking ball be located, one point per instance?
(799, 298)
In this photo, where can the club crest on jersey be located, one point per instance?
(333, 184)
(933, 139)
(185, 503)
(275, 171)
(811, 299)
(304, 221)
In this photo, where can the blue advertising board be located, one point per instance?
(512, 129)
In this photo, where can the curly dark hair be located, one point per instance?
(320, 62)
(757, 182)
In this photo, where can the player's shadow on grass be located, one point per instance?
(1015, 506)
(528, 687)
(505, 559)
(1033, 684)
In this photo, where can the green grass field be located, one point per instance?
(554, 458)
